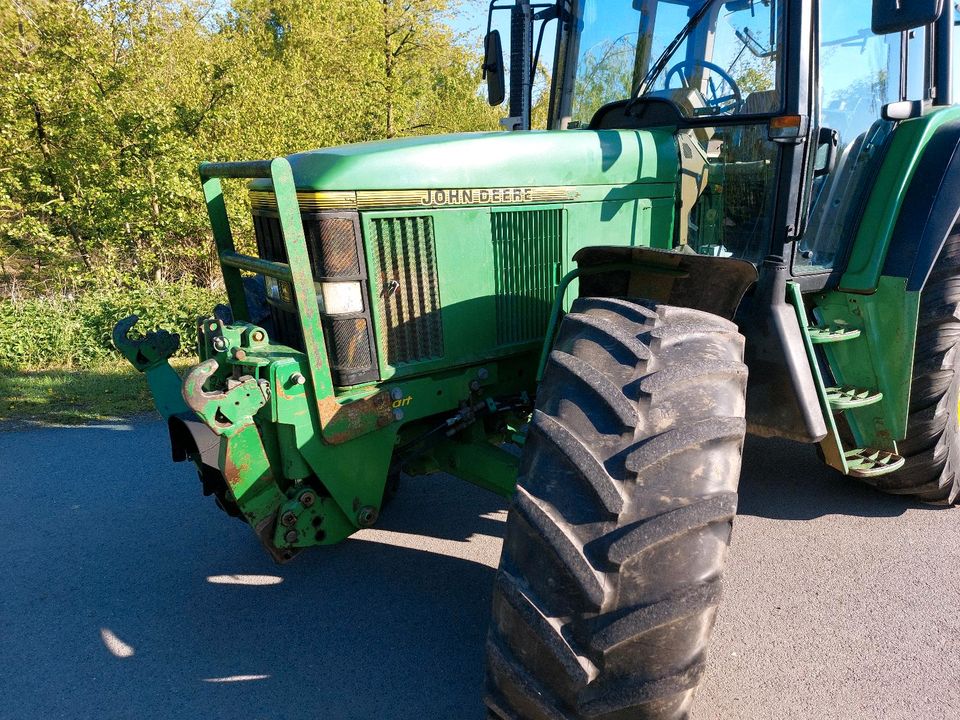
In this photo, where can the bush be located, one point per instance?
(39, 333)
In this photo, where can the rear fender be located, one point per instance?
(930, 210)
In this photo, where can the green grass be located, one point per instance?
(69, 397)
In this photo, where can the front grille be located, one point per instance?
(528, 250)
(409, 291)
(285, 327)
(266, 227)
(333, 248)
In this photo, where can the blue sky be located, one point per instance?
(470, 18)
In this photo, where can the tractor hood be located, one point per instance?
(554, 158)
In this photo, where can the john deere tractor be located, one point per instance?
(568, 318)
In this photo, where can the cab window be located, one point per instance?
(727, 63)
(859, 73)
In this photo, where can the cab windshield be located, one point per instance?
(708, 57)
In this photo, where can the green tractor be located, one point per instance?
(568, 317)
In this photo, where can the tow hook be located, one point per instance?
(224, 410)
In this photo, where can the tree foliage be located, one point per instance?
(108, 106)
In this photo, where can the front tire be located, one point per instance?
(609, 578)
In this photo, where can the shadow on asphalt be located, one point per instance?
(142, 600)
(782, 480)
(433, 506)
(128, 594)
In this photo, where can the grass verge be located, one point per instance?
(66, 396)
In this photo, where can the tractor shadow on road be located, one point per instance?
(443, 506)
(142, 600)
(783, 480)
(390, 624)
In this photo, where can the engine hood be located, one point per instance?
(549, 158)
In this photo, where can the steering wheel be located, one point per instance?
(721, 104)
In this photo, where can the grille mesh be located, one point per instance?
(528, 249)
(351, 343)
(269, 238)
(409, 294)
(286, 329)
(334, 245)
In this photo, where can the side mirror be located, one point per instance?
(894, 16)
(493, 71)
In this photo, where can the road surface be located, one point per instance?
(126, 594)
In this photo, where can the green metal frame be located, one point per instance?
(297, 272)
(881, 359)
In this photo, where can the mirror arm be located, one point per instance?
(943, 47)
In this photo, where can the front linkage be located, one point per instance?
(275, 442)
(248, 418)
(243, 417)
(260, 420)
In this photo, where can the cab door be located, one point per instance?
(857, 73)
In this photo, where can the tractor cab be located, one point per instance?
(783, 110)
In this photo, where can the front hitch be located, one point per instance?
(154, 348)
(150, 355)
(224, 411)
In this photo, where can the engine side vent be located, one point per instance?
(528, 251)
(409, 292)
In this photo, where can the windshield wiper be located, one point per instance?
(664, 58)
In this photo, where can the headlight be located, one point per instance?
(340, 275)
(340, 298)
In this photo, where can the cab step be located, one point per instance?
(848, 398)
(863, 462)
(867, 462)
(832, 334)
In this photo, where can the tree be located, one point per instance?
(107, 107)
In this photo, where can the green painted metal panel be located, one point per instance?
(497, 268)
(880, 359)
(558, 158)
(873, 236)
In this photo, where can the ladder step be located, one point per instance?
(832, 334)
(867, 462)
(848, 398)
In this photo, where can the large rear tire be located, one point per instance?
(932, 447)
(617, 537)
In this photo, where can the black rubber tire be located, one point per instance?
(932, 446)
(609, 578)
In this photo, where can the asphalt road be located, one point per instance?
(126, 594)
